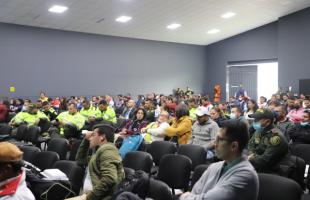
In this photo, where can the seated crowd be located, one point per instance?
(242, 137)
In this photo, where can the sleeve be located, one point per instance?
(108, 174)
(82, 153)
(179, 130)
(251, 144)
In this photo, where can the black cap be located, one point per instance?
(262, 114)
(103, 102)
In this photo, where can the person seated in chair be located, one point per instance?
(48, 110)
(234, 177)
(71, 118)
(301, 131)
(155, 131)
(129, 110)
(105, 168)
(31, 117)
(12, 176)
(105, 112)
(268, 146)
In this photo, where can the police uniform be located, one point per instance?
(108, 114)
(267, 146)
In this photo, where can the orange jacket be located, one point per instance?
(181, 128)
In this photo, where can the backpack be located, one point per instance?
(137, 183)
(130, 143)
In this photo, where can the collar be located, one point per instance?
(9, 186)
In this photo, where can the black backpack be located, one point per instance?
(137, 183)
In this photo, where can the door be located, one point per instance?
(245, 76)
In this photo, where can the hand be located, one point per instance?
(88, 135)
(184, 195)
(91, 119)
(143, 130)
(250, 157)
(62, 123)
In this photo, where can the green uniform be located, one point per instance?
(192, 114)
(268, 147)
(105, 169)
(51, 113)
(108, 114)
(90, 112)
(30, 119)
(77, 119)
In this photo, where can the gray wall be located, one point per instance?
(287, 39)
(294, 49)
(70, 63)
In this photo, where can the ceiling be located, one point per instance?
(150, 17)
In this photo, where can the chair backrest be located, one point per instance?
(21, 131)
(138, 160)
(60, 146)
(73, 171)
(199, 170)
(196, 153)
(302, 151)
(32, 134)
(29, 153)
(273, 187)
(45, 159)
(5, 129)
(175, 170)
(160, 148)
(159, 190)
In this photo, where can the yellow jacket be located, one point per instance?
(181, 128)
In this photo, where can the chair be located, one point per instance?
(138, 160)
(160, 148)
(33, 135)
(5, 132)
(128, 171)
(45, 159)
(273, 187)
(21, 131)
(159, 190)
(196, 153)
(60, 146)
(199, 170)
(73, 171)
(303, 151)
(29, 153)
(175, 171)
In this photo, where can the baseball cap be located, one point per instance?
(9, 152)
(262, 114)
(201, 110)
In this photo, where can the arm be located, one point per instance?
(160, 131)
(184, 126)
(82, 153)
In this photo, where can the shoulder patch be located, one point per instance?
(274, 140)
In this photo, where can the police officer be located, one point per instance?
(48, 110)
(104, 112)
(267, 147)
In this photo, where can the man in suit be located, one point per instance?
(129, 111)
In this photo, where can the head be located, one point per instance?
(285, 97)
(252, 105)
(10, 160)
(236, 112)
(101, 134)
(192, 103)
(181, 111)
(86, 104)
(202, 114)
(281, 112)
(222, 106)
(163, 116)
(42, 95)
(231, 139)
(148, 104)
(215, 113)
(290, 102)
(306, 102)
(32, 109)
(103, 105)
(262, 100)
(262, 118)
(297, 103)
(140, 114)
(305, 118)
(72, 108)
(46, 105)
(131, 103)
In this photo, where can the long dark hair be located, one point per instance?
(144, 114)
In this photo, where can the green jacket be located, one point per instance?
(30, 119)
(77, 119)
(105, 168)
(268, 146)
(91, 112)
(108, 115)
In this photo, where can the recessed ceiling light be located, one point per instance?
(123, 19)
(58, 9)
(228, 15)
(213, 31)
(173, 26)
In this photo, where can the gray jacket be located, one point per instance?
(204, 135)
(238, 183)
